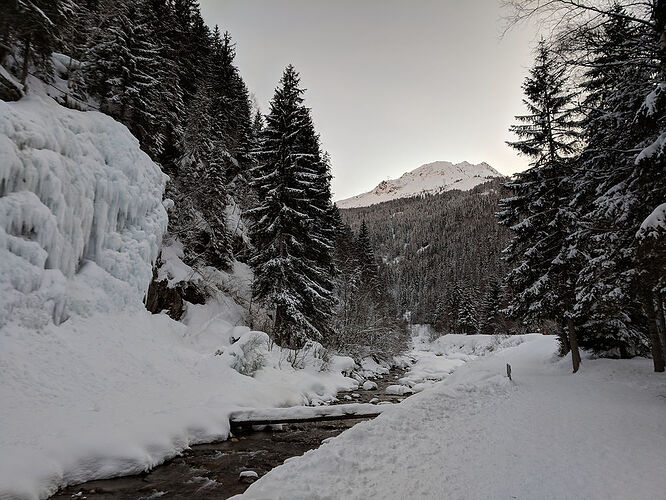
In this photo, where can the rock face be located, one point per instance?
(427, 179)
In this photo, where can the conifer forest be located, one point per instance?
(185, 296)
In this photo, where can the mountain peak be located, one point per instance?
(430, 178)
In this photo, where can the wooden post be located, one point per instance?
(508, 371)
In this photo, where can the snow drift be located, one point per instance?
(81, 215)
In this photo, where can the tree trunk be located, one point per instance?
(277, 326)
(656, 344)
(659, 317)
(654, 314)
(26, 62)
(573, 344)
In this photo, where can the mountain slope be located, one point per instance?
(431, 178)
(427, 244)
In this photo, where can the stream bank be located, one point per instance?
(212, 470)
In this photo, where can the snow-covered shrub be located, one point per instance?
(249, 353)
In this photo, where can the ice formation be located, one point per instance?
(81, 215)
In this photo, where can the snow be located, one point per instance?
(248, 474)
(654, 223)
(598, 434)
(115, 394)
(304, 412)
(657, 147)
(398, 390)
(79, 203)
(431, 178)
(173, 269)
(93, 385)
(369, 385)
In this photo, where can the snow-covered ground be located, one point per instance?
(598, 434)
(91, 384)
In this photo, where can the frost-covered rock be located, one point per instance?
(81, 214)
(248, 476)
(398, 390)
(369, 385)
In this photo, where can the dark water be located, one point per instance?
(212, 470)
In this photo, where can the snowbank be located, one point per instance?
(434, 361)
(599, 434)
(81, 215)
(115, 394)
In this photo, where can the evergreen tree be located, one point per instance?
(467, 313)
(122, 65)
(369, 273)
(284, 222)
(347, 280)
(491, 318)
(36, 27)
(607, 201)
(541, 283)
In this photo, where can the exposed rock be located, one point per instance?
(160, 297)
(248, 476)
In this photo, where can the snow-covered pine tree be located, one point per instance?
(231, 107)
(121, 66)
(347, 280)
(607, 201)
(369, 274)
(491, 318)
(467, 313)
(283, 222)
(169, 102)
(323, 225)
(541, 283)
(192, 43)
(34, 27)
(649, 179)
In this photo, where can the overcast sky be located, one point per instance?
(392, 84)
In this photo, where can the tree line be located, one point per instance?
(155, 66)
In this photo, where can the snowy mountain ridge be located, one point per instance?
(431, 178)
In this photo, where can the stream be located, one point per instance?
(212, 470)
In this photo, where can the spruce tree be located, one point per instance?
(467, 313)
(35, 27)
(491, 320)
(347, 280)
(284, 222)
(541, 283)
(122, 65)
(369, 273)
(608, 204)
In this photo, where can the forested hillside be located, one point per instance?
(441, 255)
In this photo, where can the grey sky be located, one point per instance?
(392, 84)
